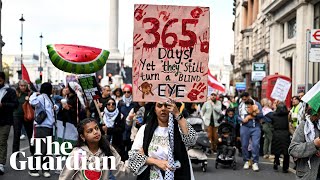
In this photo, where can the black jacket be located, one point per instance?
(9, 104)
(116, 134)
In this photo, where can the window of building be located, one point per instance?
(247, 52)
(317, 16)
(282, 33)
(292, 28)
(247, 40)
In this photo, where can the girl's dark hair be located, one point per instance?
(282, 109)
(230, 110)
(103, 143)
(118, 89)
(250, 102)
(46, 88)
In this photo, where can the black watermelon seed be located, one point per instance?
(68, 52)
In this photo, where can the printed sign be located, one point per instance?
(258, 71)
(314, 51)
(281, 89)
(170, 53)
(90, 87)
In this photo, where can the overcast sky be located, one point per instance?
(85, 22)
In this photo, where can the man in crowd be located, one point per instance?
(211, 111)
(8, 102)
(250, 130)
(106, 93)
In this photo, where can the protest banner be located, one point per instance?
(91, 90)
(281, 89)
(170, 53)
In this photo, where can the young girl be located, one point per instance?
(93, 144)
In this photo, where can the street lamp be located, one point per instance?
(40, 57)
(21, 43)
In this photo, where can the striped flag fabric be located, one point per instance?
(312, 97)
(214, 84)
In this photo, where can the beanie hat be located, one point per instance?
(127, 86)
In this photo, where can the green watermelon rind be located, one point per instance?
(77, 67)
(85, 177)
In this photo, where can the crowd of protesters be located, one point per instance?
(139, 131)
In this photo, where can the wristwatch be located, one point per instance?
(178, 117)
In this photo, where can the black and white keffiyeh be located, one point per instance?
(169, 174)
(110, 117)
(127, 101)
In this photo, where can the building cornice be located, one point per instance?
(260, 54)
(245, 62)
(274, 6)
(287, 47)
(247, 30)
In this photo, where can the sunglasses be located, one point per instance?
(127, 92)
(159, 105)
(111, 104)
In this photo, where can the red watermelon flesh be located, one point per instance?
(91, 175)
(76, 53)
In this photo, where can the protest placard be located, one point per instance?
(90, 87)
(170, 53)
(281, 89)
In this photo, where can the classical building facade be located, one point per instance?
(274, 32)
(251, 42)
(288, 22)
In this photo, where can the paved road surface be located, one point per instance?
(266, 172)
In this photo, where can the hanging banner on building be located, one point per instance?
(170, 53)
(281, 89)
(314, 51)
(258, 71)
(90, 87)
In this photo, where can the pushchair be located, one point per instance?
(197, 152)
(229, 146)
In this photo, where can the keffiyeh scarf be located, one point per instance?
(127, 101)
(169, 175)
(309, 132)
(110, 117)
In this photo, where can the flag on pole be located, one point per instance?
(25, 74)
(312, 97)
(214, 84)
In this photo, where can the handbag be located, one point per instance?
(42, 115)
(28, 111)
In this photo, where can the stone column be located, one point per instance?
(115, 56)
(113, 26)
(249, 10)
(244, 18)
(255, 10)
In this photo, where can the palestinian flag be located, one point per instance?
(312, 97)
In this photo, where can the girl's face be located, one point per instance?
(117, 93)
(230, 114)
(91, 133)
(111, 105)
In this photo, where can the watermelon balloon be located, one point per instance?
(77, 59)
(91, 175)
